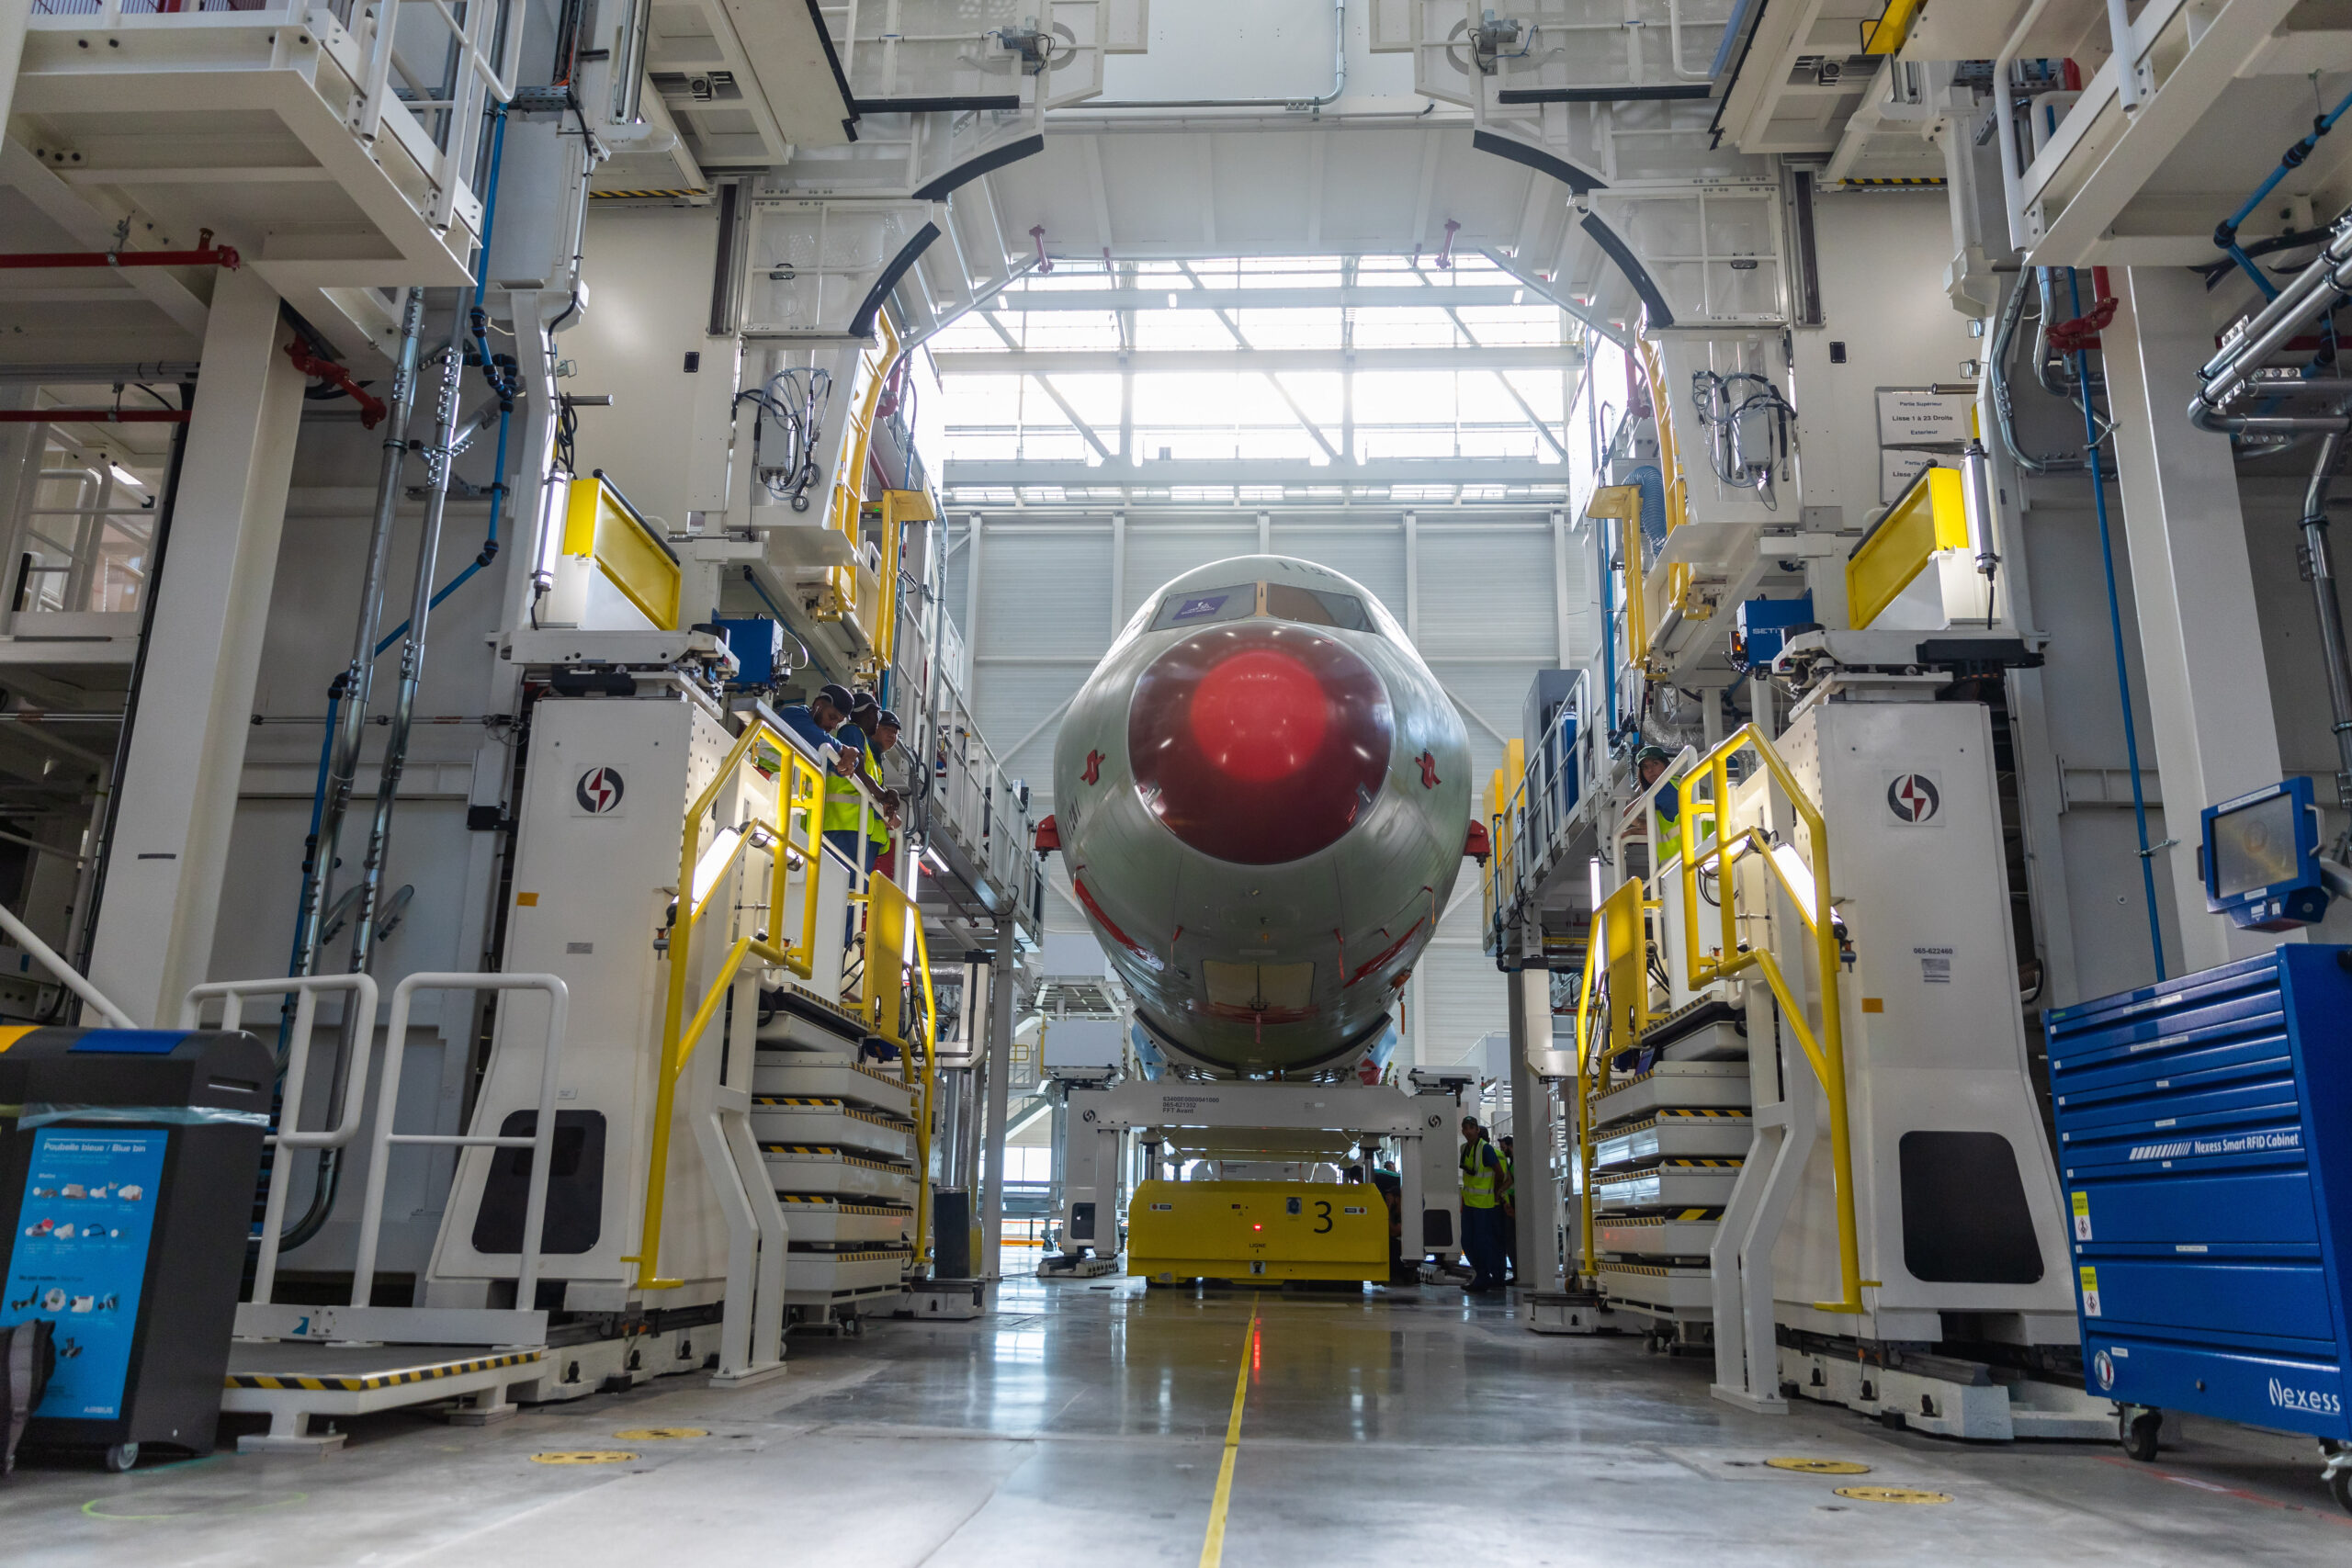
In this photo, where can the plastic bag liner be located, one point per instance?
(28, 1358)
(36, 1113)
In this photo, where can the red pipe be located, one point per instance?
(93, 416)
(371, 409)
(207, 253)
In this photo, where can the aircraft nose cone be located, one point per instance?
(1259, 716)
(1259, 744)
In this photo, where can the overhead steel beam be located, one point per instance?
(1208, 361)
(1361, 296)
(1543, 426)
(1257, 473)
(1054, 393)
(1241, 342)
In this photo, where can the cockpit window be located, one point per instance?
(1206, 605)
(1291, 603)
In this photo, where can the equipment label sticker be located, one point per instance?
(80, 1259)
(599, 793)
(1915, 798)
(2090, 1291)
(1935, 964)
(2272, 1142)
(2082, 1216)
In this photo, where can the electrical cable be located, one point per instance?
(2115, 627)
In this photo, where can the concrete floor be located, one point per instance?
(1085, 1424)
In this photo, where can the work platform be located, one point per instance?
(295, 1384)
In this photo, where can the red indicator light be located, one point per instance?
(1257, 1227)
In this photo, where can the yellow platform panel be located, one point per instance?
(1256, 1230)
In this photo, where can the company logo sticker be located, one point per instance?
(599, 791)
(1913, 798)
(2304, 1401)
(2104, 1365)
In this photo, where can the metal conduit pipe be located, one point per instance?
(2322, 573)
(130, 371)
(343, 769)
(343, 766)
(1338, 83)
(439, 458)
(2316, 290)
(1996, 365)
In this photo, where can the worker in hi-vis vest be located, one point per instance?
(1483, 1179)
(1649, 764)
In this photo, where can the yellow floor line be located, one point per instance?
(1213, 1548)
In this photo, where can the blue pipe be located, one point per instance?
(2115, 625)
(478, 322)
(488, 545)
(2226, 235)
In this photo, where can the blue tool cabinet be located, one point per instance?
(2205, 1148)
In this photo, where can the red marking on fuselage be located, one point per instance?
(1385, 954)
(1428, 770)
(1108, 924)
(1093, 773)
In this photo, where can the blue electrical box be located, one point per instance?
(1552, 752)
(757, 643)
(2260, 857)
(2205, 1147)
(1760, 628)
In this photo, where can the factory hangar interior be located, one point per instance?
(1270, 781)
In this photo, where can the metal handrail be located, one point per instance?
(305, 990)
(914, 956)
(1825, 1053)
(680, 1035)
(72, 979)
(541, 1141)
(848, 499)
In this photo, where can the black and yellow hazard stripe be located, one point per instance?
(1682, 1217)
(819, 1201)
(1651, 1271)
(367, 1382)
(1892, 183)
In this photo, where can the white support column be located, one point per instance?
(1413, 577)
(1536, 1247)
(14, 15)
(1562, 609)
(162, 898)
(972, 603)
(1001, 989)
(1118, 572)
(2209, 693)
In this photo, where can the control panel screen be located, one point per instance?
(2255, 848)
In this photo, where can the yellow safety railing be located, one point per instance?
(894, 947)
(848, 501)
(899, 507)
(1584, 1089)
(1931, 515)
(1617, 948)
(1893, 27)
(1677, 487)
(800, 803)
(1623, 503)
(1811, 897)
